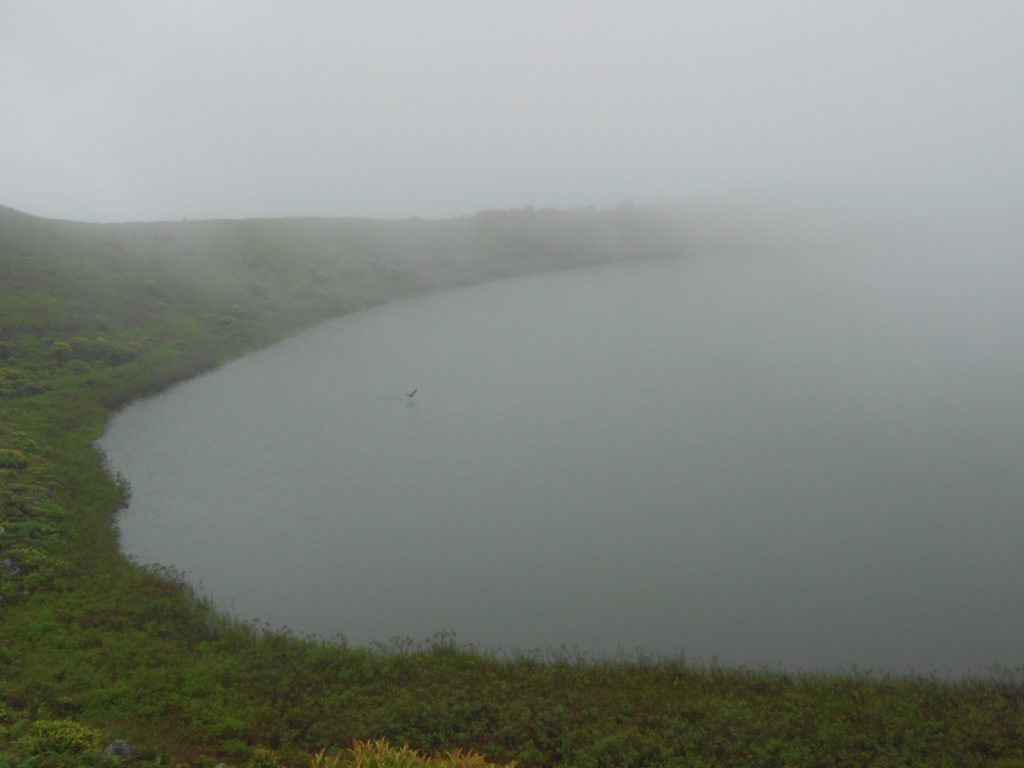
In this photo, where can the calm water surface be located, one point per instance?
(807, 462)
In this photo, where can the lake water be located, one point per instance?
(809, 463)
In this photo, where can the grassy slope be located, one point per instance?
(94, 315)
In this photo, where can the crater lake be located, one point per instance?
(802, 462)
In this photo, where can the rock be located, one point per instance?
(31, 388)
(120, 748)
(11, 567)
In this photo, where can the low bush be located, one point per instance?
(58, 737)
(11, 458)
(380, 754)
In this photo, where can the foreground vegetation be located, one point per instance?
(103, 662)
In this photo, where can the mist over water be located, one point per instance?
(796, 460)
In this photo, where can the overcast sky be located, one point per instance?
(160, 110)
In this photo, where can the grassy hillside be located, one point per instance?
(93, 648)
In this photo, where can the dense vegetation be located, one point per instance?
(96, 651)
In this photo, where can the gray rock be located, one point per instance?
(120, 748)
(31, 388)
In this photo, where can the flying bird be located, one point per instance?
(410, 394)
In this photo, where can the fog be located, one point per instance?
(139, 111)
(809, 442)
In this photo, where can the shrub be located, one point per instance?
(12, 459)
(81, 348)
(60, 351)
(27, 569)
(106, 350)
(7, 714)
(262, 757)
(60, 737)
(102, 349)
(12, 382)
(380, 754)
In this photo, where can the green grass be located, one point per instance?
(94, 648)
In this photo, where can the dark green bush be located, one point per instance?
(103, 350)
(60, 352)
(12, 382)
(27, 569)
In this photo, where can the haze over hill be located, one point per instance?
(126, 111)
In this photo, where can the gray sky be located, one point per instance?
(145, 110)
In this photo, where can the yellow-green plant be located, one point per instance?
(61, 737)
(262, 757)
(379, 754)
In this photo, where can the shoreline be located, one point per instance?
(93, 317)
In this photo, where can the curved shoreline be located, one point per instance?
(96, 315)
